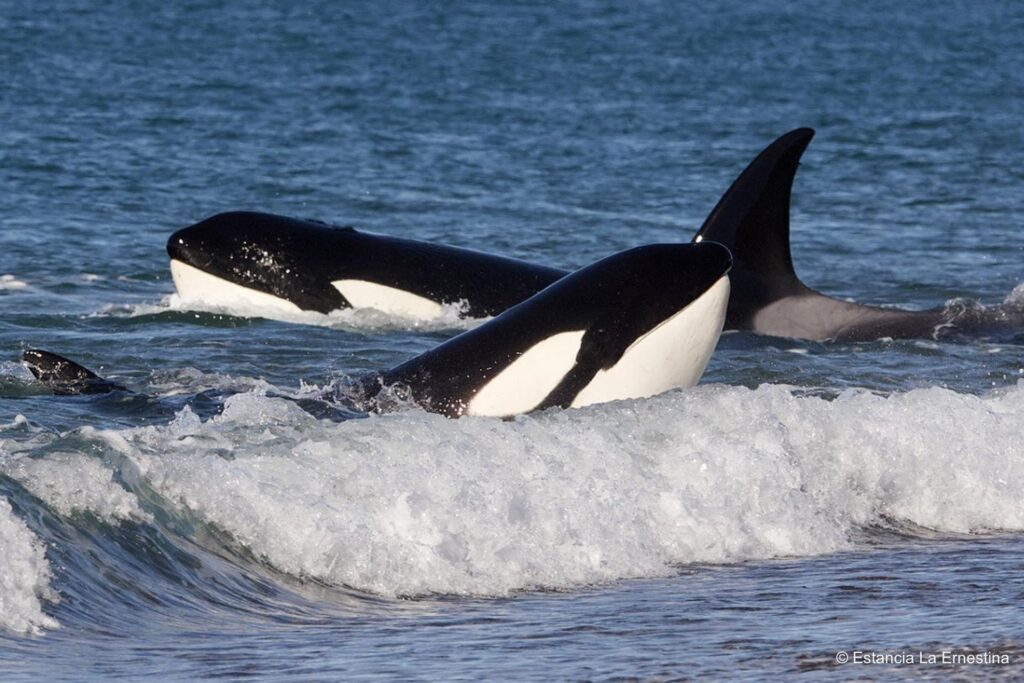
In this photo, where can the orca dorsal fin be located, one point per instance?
(65, 377)
(752, 217)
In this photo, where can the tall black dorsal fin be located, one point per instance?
(752, 217)
(65, 376)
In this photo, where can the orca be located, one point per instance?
(632, 325)
(752, 220)
(286, 265)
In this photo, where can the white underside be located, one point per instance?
(199, 286)
(673, 354)
(363, 294)
(527, 381)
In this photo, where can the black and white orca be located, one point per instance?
(632, 325)
(629, 326)
(279, 264)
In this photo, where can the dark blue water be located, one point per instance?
(811, 499)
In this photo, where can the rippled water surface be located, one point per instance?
(809, 499)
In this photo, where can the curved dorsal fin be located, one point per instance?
(66, 377)
(752, 217)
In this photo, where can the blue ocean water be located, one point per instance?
(810, 499)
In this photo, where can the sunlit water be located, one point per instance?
(808, 499)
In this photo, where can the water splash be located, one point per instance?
(414, 504)
(359, 320)
(24, 576)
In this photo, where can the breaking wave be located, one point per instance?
(413, 504)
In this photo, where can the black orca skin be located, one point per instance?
(65, 377)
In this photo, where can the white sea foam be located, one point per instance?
(413, 503)
(72, 482)
(1015, 299)
(9, 282)
(361, 319)
(24, 576)
(14, 370)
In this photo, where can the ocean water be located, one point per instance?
(807, 500)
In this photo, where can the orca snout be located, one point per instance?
(186, 246)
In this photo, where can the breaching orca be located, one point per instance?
(632, 325)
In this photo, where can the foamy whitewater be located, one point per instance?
(24, 576)
(415, 504)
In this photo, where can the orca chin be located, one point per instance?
(197, 285)
(635, 324)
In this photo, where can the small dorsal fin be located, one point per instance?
(752, 217)
(65, 376)
(49, 367)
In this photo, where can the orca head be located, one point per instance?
(259, 259)
(632, 325)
